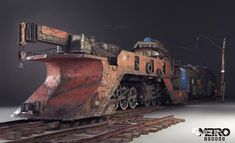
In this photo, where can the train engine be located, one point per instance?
(86, 78)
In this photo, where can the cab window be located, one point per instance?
(137, 63)
(164, 68)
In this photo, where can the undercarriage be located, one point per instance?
(139, 90)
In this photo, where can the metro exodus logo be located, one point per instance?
(212, 134)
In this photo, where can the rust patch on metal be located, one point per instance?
(69, 84)
(83, 75)
(54, 32)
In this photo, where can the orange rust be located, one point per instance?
(54, 32)
(80, 84)
(73, 81)
(83, 76)
(69, 85)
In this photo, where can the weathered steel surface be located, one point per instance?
(177, 96)
(116, 128)
(31, 32)
(125, 130)
(52, 35)
(83, 77)
(69, 85)
(81, 85)
(19, 129)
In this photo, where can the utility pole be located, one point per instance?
(222, 84)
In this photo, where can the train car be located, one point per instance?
(203, 82)
(196, 81)
(86, 78)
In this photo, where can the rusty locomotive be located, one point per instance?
(86, 78)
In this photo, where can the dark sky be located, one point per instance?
(121, 22)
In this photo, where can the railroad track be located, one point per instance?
(119, 127)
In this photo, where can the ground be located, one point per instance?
(203, 115)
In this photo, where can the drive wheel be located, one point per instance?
(123, 104)
(116, 105)
(132, 97)
(116, 95)
(123, 92)
(147, 103)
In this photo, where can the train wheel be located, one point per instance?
(147, 103)
(116, 105)
(116, 94)
(154, 102)
(123, 104)
(132, 97)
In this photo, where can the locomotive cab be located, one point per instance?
(150, 47)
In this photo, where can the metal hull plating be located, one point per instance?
(86, 78)
(67, 90)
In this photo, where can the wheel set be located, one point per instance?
(127, 97)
